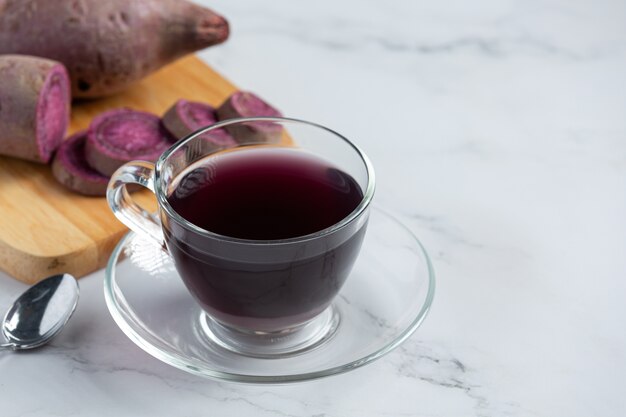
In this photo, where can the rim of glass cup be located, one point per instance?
(368, 194)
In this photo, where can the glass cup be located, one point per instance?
(262, 298)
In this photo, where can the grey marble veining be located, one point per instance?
(498, 134)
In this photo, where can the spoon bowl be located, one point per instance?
(40, 312)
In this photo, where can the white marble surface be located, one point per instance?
(498, 131)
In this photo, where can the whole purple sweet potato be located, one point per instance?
(34, 106)
(107, 45)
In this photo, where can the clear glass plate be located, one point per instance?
(385, 299)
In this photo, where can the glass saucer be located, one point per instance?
(385, 299)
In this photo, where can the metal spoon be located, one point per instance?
(40, 312)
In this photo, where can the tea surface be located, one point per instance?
(265, 194)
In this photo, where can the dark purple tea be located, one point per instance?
(264, 194)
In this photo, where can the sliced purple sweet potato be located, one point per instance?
(119, 136)
(246, 104)
(70, 168)
(185, 117)
(34, 106)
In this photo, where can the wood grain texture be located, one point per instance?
(46, 229)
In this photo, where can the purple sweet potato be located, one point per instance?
(107, 45)
(70, 168)
(185, 117)
(34, 106)
(119, 136)
(246, 104)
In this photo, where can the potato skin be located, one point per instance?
(108, 45)
(248, 104)
(70, 168)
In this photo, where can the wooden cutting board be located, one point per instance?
(46, 229)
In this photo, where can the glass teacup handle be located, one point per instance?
(135, 217)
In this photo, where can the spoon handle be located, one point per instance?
(7, 346)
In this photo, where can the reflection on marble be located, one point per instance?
(497, 130)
